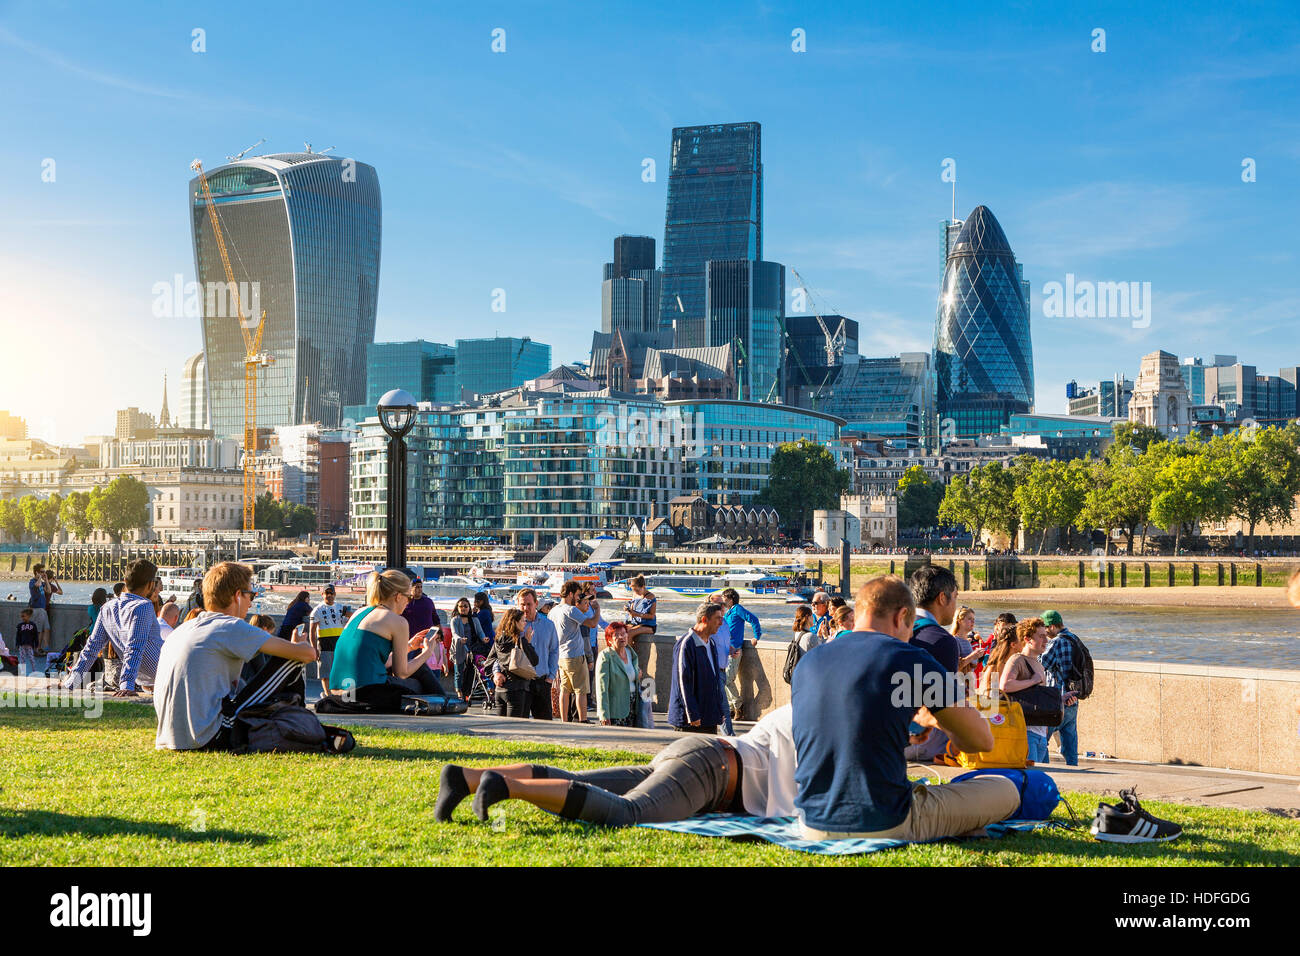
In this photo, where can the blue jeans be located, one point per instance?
(1038, 748)
(1069, 731)
(722, 694)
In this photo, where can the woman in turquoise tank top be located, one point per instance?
(375, 639)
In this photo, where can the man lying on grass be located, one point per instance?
(196, 694)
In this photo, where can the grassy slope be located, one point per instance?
(78, 791)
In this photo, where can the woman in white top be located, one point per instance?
(752, 774)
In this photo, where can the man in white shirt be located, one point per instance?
(327, 621)
(569, 616)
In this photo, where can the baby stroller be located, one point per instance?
(482, 683)
(56, 665)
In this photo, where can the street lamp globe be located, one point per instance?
(397, 410)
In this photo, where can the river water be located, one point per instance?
(1261, 638)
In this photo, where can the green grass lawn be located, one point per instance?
(79, 791)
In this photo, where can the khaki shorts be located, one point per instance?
(947, 810)
(40, 618)
(573, 674)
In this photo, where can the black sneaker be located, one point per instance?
(1129, 823)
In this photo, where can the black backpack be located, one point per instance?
(286, 727)
(793, 654)
(1079, 680)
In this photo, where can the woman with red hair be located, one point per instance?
(617, 685)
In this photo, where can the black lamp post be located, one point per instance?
(397, 414)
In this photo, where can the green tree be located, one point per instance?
(918, 499)
(298, 519)
(1135, 435)
(42, 516)
(268, 514)
(803, 478)
(120, 507)
(1260, 475)
(1051, 496)
(979, 500)
(73, 515)
(12, 520)
(1186, 490)
(1120, 496)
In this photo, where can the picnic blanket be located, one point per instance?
(784, 831)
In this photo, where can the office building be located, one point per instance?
(714, 212)
(12, 426)
(494, 365)
(983, 352)
(744, 302)
(193, 411)
(304, 235)
(170, 452)
(1160, 395)
(815, 342)
(134, 425)
(891, 398)
(1109, 398)
(629, 292)
(425, 369)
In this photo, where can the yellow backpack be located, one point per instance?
(1010, 741)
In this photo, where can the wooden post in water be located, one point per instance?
(1232, 576)
(1259, 575)
(891, 567)
(1146, 574)
(1123, 575)
(1110, 575)
(1171, 574)
(1082, 582)
(965, 575)
(1196, 574)
(1220, 573)
(846, 582)
(1101, 574)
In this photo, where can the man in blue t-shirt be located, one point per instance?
(853, 700)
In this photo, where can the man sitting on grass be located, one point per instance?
(852, 702)
(196, 694)
(129, 624)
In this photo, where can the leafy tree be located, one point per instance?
(1260, 475)
(73, 515)
(42, 516)
(1135, 435)
(1186, 489)
(803, 478)
(979, 500)
(1051, 496)
(918, 499)
(1120, 496)
(12, 520)
(268, 513)
(119, 508)
(299, 520)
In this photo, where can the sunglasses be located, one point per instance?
(251, 594)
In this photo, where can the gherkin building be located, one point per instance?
(983, 356)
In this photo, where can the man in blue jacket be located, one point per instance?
(736, 617)
(695, 694)
(934, 589)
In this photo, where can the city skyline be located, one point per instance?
(1115, 166)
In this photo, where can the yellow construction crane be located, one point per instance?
(254, 357)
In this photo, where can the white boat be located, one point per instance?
(181, 581)
(748, 582)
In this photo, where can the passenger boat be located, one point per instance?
(748, 582)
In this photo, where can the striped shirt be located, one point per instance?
(129, 624)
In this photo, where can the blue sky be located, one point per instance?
(515, 170)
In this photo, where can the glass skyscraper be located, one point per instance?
(629, 293)
(425, 369)
(744, 300)
(303, 234)
(493, 365)
(982, 348)
(715, 211)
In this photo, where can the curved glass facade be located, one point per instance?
(303, 230)
(982, 349)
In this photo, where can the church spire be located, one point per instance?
(165, 419)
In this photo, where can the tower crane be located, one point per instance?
(254, 357)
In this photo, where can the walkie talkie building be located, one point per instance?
(982, 351)
(303, 234)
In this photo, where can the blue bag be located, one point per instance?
(1038, 793)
